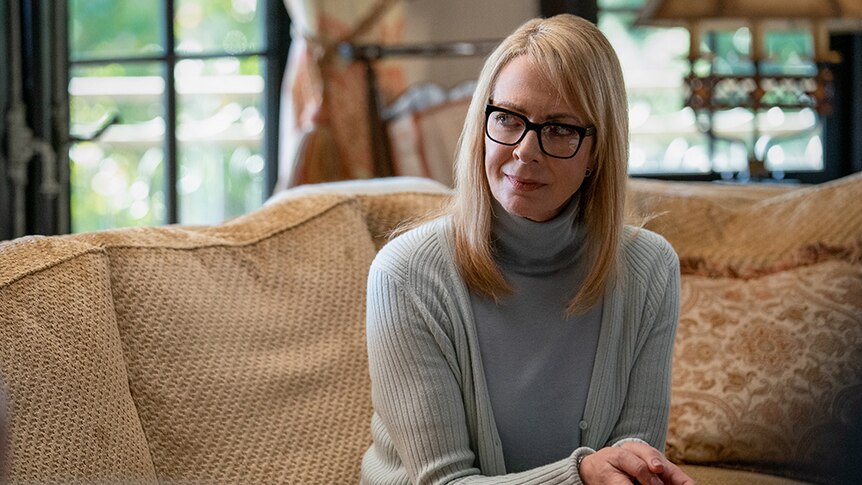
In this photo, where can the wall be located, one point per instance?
(458, 20)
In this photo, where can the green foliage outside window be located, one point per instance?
(665, 135)
(119, 68)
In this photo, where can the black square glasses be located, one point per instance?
(558, 140)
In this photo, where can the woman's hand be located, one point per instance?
(630, 462)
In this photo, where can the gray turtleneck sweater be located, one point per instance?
(433, 420)
(537, 361)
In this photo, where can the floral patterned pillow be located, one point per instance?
(767, 371)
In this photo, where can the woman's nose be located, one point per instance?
(529, 149)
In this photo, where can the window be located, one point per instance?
(189, 91)
(667, 138)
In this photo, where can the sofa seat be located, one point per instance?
(711, 475)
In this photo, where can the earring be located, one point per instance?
(588, 173)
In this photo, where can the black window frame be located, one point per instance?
(274, 54)
(45, 71)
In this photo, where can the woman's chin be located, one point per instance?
(527, 211)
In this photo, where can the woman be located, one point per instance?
(525, 336)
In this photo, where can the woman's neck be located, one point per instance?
(527, 246)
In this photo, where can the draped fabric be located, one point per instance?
(325, 132)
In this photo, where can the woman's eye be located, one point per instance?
(559, 130)
(506, 120)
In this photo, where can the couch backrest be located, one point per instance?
(245, 345)
(233, 353)
(71, 414)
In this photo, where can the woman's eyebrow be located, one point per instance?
(510, 106)
(562, 117)
(551, 117)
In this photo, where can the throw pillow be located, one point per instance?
(767, 371)
(245, 343)
(745, 228)
(70, 414)
(423, 143)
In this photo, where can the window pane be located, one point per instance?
(220, 133)
(786, 139)
(103, 28)
(664, 136)
(793, 140)
(117, 180)
(786, 52)
(620, 3)
(232, 26)
(790, 52)
(731, 50)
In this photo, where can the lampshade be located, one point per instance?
(821, 16)
(677, 12)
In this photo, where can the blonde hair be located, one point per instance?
(583, 67)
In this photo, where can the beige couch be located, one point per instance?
(236, 353)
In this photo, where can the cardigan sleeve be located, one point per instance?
(646, 408)
(417, 396)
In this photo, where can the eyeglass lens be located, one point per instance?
(556, 140)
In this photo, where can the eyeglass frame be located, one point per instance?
(582, 131)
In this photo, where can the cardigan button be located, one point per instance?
(582, 425)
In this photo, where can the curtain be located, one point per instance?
(324, 129)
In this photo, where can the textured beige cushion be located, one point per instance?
(688, 211)
(386, 203)
(385, 212)
(4, 432)
(646, 193)
(72, 417)
(755, 227)
(703, 475)
(245, 343)
(767, 372)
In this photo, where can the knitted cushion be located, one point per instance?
(744, 228)
(4, 431)
(686, 213)
(72, 418)
(767, 371)
(385, 212)
(245, 343)
(385, 202)
(647, 194)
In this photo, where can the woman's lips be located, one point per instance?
(523, 185)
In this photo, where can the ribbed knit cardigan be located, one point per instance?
(432, 420)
